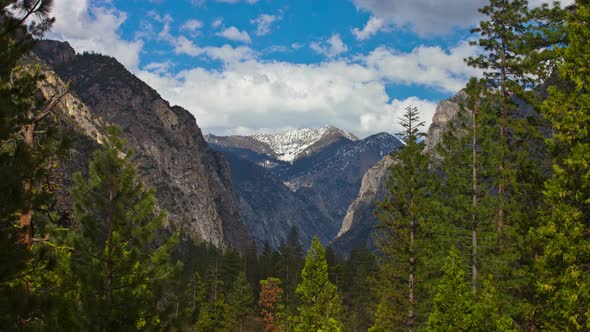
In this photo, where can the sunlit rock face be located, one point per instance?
(192, 182)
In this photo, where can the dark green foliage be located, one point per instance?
(31, 144)
(404, 221)
(563, 286)
(288, 261)
(240, 300)
(453, 303)
(320, 302)
(121, 270)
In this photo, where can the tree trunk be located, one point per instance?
(412, 263)
(26, 215)
(474, 248)
(501, 167)
(109, 281)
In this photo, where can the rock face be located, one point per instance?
(192, 182)
(311, 191)
(446, 111)
(357, 226)
(360, 220)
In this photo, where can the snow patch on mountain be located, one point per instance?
(289, 145)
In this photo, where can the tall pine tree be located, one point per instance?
(320, 302)
(564, 265)
(401, 216)
(120, 267)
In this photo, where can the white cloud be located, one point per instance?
(389, 121)
(251, 96)
(263, 23)
(91, 28)
(159, 67)
(334, 47)
(432, 66)
(232, 33)
(192, 26)
(216, 23)
(225, 53)
(563, 3)
(296, 46)
(425, 17)
(372, 27)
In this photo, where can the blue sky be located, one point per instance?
(247, 66)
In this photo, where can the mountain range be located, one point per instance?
(305, 178)
(231, 191)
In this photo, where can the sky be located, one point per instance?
(264, 66)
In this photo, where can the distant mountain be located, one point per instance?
(359, 222)
(319, 171)
(192, 182)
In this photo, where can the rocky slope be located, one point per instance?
(315, 188)
(358, 224)
(192, 182)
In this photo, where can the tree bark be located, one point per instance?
(412, 263)
(474, 247)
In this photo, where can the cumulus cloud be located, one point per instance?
(372, 27)
(92, 28)
(263, 23)
(253, 96)
(429, 66)
(232, 33)
(192, 26)
(425, 17)
(331, 48)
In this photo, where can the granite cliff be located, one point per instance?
(192, 182)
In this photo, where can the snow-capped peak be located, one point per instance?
(289, 145)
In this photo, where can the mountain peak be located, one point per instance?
(293, 144)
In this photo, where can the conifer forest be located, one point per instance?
(488, 229)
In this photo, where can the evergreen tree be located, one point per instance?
(320, 302)
(453, 303)
(271, 305)
(401, 217)
(563, 286)
(359, 271)
(487, 316)
(121, 270)
(288, 265)
(241, 299)
(31, 144)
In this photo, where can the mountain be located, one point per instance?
(360, 220)
(313, 173)
(192, 182)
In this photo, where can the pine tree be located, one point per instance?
(320, 303)
(271, 304)
(31, 144)
(501, 38)
(240, 299)
(563, 286)
(121, 269)
(487, 316)
(453, 303)
(288, 266)
(401, 216)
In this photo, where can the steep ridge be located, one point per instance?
(360, 220)
(192, 182)
(322, 181)
(270, 208)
